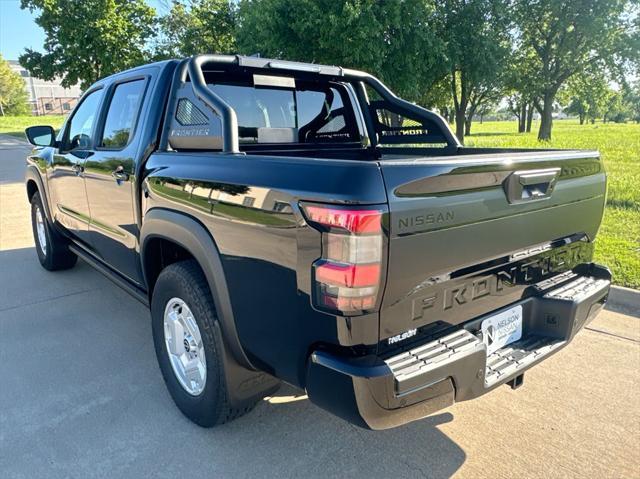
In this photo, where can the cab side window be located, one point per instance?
(80, 126)
(122, 114)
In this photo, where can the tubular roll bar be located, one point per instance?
(230, 142)
(394, 100)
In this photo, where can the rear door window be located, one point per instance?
(122, 114)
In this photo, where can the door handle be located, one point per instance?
(530, 185)
(77, 169)
(120, 175)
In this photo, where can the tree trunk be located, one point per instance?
(529, 117)
(460, 121)
(546, 120)
(516, 112)
(459, 103)
(469, 119)
(581, 118)
(522, 117)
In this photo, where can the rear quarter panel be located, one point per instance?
(249, 204)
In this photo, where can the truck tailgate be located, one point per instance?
(469, 233)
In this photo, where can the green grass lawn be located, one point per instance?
(15, 125)
(618, 243)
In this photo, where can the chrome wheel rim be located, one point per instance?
(184, 346)
(42, 235)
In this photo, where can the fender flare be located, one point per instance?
(33, 174)
(193, 236)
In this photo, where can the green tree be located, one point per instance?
(484, 95)
(632, 96)
(521, 86)
(579, 107)
(616, 108)
(391, 39)
(87, 40)
(439, 97)
(13, 96)
(198, 26)
(586, 95)
(476, 36)
(570, 36)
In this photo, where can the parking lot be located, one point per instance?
(81, 396)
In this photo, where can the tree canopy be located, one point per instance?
(197, 26)
(13, 96)
(457, 55)
(390, 39)
(586, 95)
(87, 40)
(565, 38)
(476, 37)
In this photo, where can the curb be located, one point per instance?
(625, 299)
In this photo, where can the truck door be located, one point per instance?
(66, 170)
(109, 178)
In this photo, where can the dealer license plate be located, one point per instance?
(502, 329)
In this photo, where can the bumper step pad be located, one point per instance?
(516, 356)
(430, 362)
(411, 366)
(578, 289)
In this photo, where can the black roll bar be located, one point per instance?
(394, 100)
(230, 142)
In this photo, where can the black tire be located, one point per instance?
(186, 281)
(55, 254)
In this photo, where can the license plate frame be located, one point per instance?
(502, 329)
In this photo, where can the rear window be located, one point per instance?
(309, 113)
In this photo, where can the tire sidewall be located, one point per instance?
(36, 203)
(203, 408)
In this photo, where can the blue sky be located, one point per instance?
(18, 29)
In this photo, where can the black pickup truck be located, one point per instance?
(300, 223)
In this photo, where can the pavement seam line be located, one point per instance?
(612, 334)
(53, 298)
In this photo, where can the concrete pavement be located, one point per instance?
(81, 396)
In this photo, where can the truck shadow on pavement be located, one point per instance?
(86, 399)
(312, 443)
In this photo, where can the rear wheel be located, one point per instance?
(188, 345)
(52, 249)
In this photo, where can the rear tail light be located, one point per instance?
(347, 278)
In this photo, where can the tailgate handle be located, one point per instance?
(530, 185)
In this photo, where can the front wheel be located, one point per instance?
(52, 249)
(188, 345)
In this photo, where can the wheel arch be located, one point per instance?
(34, 184)
(190, 235)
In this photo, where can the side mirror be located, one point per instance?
(41, 135)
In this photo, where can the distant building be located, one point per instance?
(47, 97)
